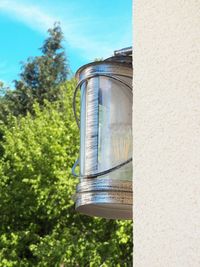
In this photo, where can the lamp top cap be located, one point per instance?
(127, 51)
(121, 57)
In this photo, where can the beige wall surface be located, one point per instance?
(166, 129)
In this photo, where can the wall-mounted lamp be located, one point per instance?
(105, 187)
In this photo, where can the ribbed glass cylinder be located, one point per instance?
(106, 139)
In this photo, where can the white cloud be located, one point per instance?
(41, 19)
(31, 15)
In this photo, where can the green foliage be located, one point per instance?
(98, 59)
(39, 226)
(4, 103)
(41, 76)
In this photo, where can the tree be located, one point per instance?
(39, 226)
(41, 76)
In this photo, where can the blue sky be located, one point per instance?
(92, 28)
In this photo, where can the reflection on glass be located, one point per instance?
(115, 129)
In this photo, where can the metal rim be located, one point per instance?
(111, 205)
(100, 63)
(103, 184)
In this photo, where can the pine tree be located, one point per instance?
(41, 76)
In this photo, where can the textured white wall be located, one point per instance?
(166, 127)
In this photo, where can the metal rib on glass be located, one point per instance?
(91, 143)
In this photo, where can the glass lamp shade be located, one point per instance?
(105, 188)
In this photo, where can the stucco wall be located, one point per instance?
(166, 128)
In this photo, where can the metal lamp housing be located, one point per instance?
(105, 185)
